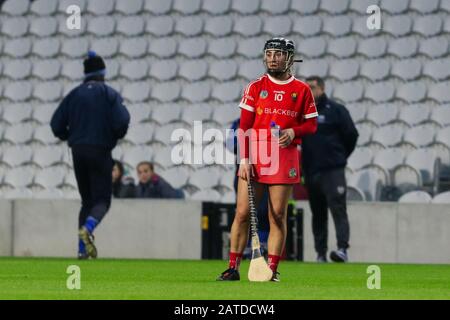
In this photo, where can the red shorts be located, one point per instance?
(280, 166)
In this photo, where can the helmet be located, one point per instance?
(284, 45)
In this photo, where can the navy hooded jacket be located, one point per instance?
(91, 114)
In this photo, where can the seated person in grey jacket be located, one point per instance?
(152, 185)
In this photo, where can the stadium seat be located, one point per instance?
(163, 70)
(201, 112)
(186, 7)
(334, 7)
(441, 115)
(245, 7)
(375, 70)
(43, 27)
(73, 70)
(189, 26)
(158, 7)
(219, 26)
(382, 114)
(101, 26)
(163, 158)
(380, 92)
(46, 47)
(47, 156)
(44, 7)
(18, 48)
(361, 6)
(424, 7)
(222, 47)
(19, 177)
(412, 92)
(18, 91)
(160, 26)
(443, 197)
(415, 197)
(443, 137)
(16, 156)
(106, 47)
(369, 182)
(434, 47)
(18, 69)
(310, 47)
(15, 7)
(205, 178)
(344, 70)
(275, 26)
(75, 48)
(349, 91)
(337, 26)
(373, 47)
(251, 69)
(437, 70)
(134, 48)
(407, 70)
(426, 162)
(192, 47)
(224, 70)
(47, 69)
(359, 26)
(419, 136)
(388, 136)
(134, 69)
(49, 178)
(357, 111)
(309, 68)
(226, 114)
(403, 47)
(131, 26)
(365, 133)
(398, 25)
(16, 113)
(64, 31)
(389, 159)
(252, 47)
(307, 26)
(193, 70)
(176, 176)
(164, 114)
(129, 8)
(248, 26)
(15, 27)
(440, 92)
(100, 8)
(18, 193)
(227, 91)
(44, 135)
(133, 156)
(139, 134)
(394, 7)
(48, 91)
(196, 92)
(216, 7)
(428, 26)
(139, 112)
(136, 91)
(51, 193)
(209, 195)
(166, 92)
(275, 7)
(228, 197)
(414, 114)
(359, 159)
(342, 47)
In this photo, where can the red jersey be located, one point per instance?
(287, 103)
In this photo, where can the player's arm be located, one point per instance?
(247, 119)
(308, 122)
(60, 122)
(120, 117)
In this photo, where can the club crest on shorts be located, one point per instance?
(263, 94)
(259, 111)
(294, 96)
(292, 173)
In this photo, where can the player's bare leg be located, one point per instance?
(278, 202)
(240, 226)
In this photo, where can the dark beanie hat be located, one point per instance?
(94, 65)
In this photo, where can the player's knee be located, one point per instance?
(278, 219)
(241, 215)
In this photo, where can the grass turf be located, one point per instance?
(45, 278)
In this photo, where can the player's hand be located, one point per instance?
(286, 137)
(245, 170)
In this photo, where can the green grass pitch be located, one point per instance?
(45, 278)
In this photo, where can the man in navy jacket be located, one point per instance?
(91, 118)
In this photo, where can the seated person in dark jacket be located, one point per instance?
(153, 186)
(122, 186)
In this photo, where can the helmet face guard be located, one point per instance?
(284, 45)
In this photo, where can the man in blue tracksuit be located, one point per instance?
(324, 157)
(91, 118)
